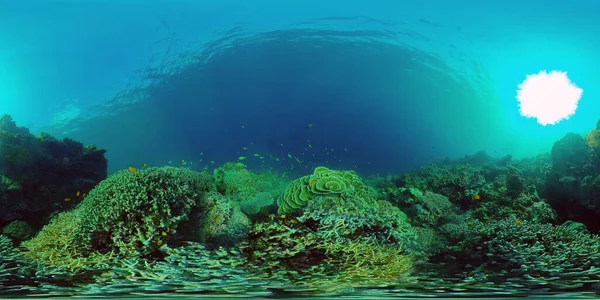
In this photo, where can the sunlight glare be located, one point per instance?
(548, 97)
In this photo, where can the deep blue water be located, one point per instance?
(396, 85)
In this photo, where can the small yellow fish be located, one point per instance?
(183, 160)
(84, 194)
(67, 199)
(77, 194)
(144, 166)
(132, 170)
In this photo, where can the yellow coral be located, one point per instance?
(364, 259)
(592, 139)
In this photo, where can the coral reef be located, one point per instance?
(563, 257)
(484, 192)
(256, 193)
(339, 228)
(424, 208)
(131, 213)
(475, 222)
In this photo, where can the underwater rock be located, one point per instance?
(259, 206)
(572, 185)
(569, 155)
(255, 193)
(17, 231)
(219, 222)
(423, 208)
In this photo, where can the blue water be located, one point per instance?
(378, 87)
(396, 85)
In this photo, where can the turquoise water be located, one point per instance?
(342, 149)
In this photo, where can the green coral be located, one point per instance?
(322, 182)
(55, 247)
(361, 236)
(130, 213)
(255, 193)
(218, 221)
(341, 226)
(13, 266)
(563, 257)
(140, 211)
(236, 182)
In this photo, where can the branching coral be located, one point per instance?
(562, 256)
(129, 214)
(360, 235)
(14, 268)
(137, 212)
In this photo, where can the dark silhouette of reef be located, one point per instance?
(572, 184)
(41, 175)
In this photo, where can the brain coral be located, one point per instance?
(323, 182)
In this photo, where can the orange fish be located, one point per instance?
(518, 222)
(312, 183)
(132, 170)
(477, 197)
